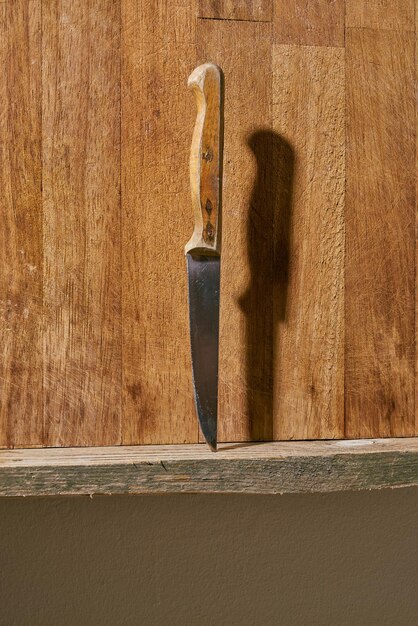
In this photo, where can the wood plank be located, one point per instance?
(81, 198)
(416, 222)
(252, 10)
(309, 22)
(271, 468)
(246, 328)
(309, 114)
(158, 115)
(380, 234)
(381, 14)
(21, 219)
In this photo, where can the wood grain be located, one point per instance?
(21, 225)
(81, 227)
(380, 234)
(83, 81)
(289, 467)
(416, 221)
(158, 114)
(381, 14)
(206, 159)
(245, 374)
(309, 22)
(309, 113)
(252, 10)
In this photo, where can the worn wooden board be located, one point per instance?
(158, 112)
(21, 224)
(274, 468)
(309, 115)
(252, 10)
(245, 368)
(81, 222)
(95, 130)
(380, 234)
(416, 221)
(309, 22)
(381, 14)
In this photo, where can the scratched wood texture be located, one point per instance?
(318, 263)
(249, 10)
(158, 112)
(381, 14)
(81, 222)
(380, 234)
(309, 114)
(21, 338)
(309, 22)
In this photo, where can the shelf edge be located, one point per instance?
(265, 468)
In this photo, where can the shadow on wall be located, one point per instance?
(264, 302)
(344, 559)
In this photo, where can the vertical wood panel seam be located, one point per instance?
(416, 207)
(43, 336)
(345, 217)
(121, 407)
(122, 221)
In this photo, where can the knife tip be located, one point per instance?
(213, 445)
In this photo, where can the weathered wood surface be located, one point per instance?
(20, 224)
(252, 10)
(309, 115)
(309, 22)
(381, 14)
(95, 129)
(380, 235)
(158, 113)
(287, 467)
(81, 222)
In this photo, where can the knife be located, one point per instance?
(203, 251)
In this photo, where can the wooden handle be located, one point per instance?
(206, 160)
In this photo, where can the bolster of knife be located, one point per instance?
(206, 82)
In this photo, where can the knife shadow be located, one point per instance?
(264, 301)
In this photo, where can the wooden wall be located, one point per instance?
(318, 263)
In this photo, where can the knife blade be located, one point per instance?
(203, 251)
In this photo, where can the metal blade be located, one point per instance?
(204, 288)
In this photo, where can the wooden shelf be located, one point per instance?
(265, 468)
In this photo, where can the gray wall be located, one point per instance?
(223, 560)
